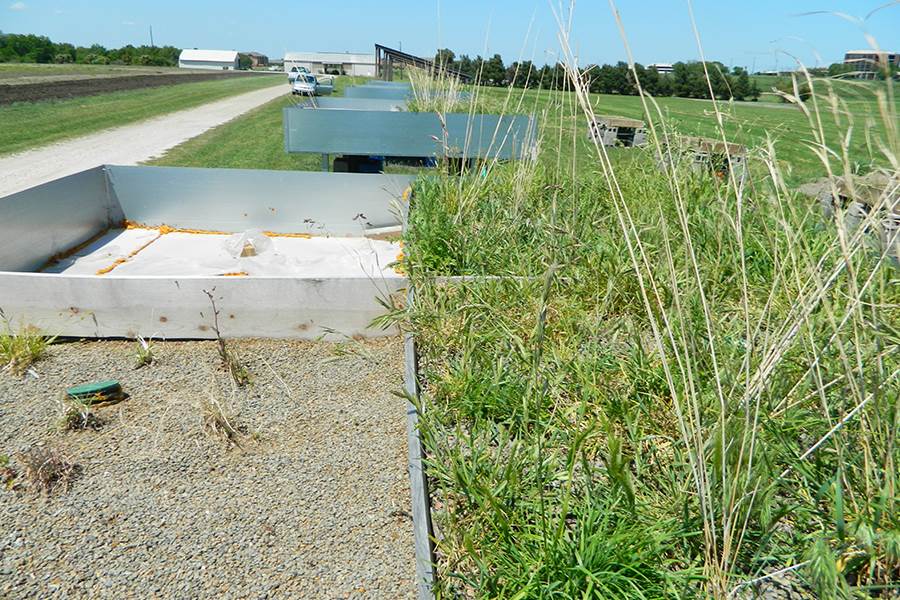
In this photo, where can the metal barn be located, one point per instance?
(335, 63)
(214, 60)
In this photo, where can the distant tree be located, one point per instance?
(742, 87)
(837, 69)
(493, 71)
(62, 58)
(446, 58)
(244, 61)
(466, 65)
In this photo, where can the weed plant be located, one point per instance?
(47, 469)
(679, 383)
(20, 350)
(143, 353)
(75, 414)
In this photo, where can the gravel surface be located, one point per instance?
(313, 504)
(127, 145)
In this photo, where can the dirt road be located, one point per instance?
(126, 145)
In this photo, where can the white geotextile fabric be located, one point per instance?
(101, 253)
(180, 254)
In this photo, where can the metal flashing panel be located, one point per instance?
(239, 199)
(406, 134)
(88, 255)
(380, 92)
(356, 104)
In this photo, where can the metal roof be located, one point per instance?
(331, 57)
(208, 55)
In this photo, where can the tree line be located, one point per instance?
(688, 79)
(30, 48)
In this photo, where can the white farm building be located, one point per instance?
(208, 59)
(341, 63)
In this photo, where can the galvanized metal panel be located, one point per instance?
(178, 308)
(375, 91)
(356, 104)
(240, 199)
(378, 133)
(48, 219)
(390, 84)
(423, 531)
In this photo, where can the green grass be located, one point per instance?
(748, 123)
(256, 140)
(28, 125)
(20, 350)
(679, 386)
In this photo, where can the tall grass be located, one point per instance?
(683, 385)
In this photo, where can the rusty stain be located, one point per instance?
(163, 319)
(66, 254)
(203, 327)
(303, 326)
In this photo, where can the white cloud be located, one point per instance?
(17, 6)
(127, 22)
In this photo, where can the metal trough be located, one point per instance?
(379, 92)
(355, 104)
(404, 134)
(611, 131)
(127, 251)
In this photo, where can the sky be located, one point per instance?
(757, 34)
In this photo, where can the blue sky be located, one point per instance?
(760, 33)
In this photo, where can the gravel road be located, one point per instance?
(314, 504)
(126, 145)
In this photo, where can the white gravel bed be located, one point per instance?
(315, 504)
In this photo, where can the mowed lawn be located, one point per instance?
(28, 125)
(255, 141)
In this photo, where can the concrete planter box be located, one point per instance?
(127, 251)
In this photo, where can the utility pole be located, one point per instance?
(151, 37)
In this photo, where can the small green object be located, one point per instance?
(98, 391)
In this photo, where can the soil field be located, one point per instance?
(56, 90)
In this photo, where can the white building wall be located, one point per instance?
(360, 65)
(210, 65)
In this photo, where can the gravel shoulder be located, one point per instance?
(128, 145)
(314, 503)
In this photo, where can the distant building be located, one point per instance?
(340, 63)
(208, 59)
(661, 68)
(866, 63)
(257, 60)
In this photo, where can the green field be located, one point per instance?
(256, 140)
(28, 125)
